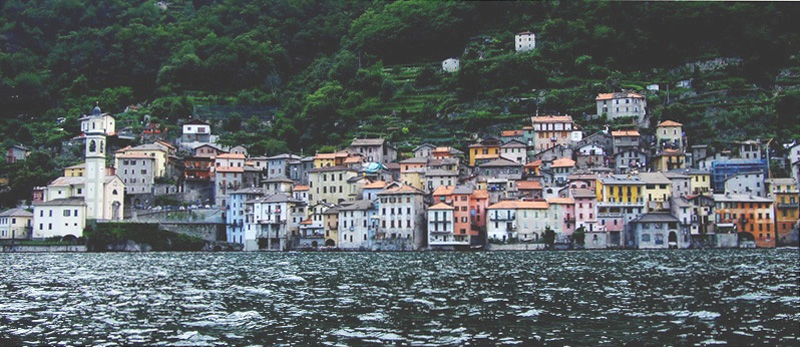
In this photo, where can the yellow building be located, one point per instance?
(487, 149)
(155, 150)
(669, 159)
(329, 159)
(414, 178)
(330, 220)
(78, 170)
(332, 184)
(699, 182)
(15, 224)
(620, 189)
(657, 190)
(787, 208)
(669, 134)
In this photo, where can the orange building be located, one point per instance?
(751, 215)
(470, 207)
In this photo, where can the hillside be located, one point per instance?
(331, 71)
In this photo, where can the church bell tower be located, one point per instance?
(95, 166)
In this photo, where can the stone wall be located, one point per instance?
(42, 248)
(516, 247)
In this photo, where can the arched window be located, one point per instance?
(114, 192)
(101, 147)
(92, 146)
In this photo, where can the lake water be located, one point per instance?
(505, 298)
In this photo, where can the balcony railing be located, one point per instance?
(789, 205)
(444, 221)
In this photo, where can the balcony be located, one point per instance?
(569, 219)
(442, 221)
(500, 218)
(789, 205)
(439, 232)
(637, 203)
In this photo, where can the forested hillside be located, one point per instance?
(339, 69)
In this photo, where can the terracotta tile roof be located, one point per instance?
(480, 194)
(534, 164)
(618, 133)
(487, 156)
(670, 123)
(499, 162)
(563, 162)
(552, 119)
(300, 188)
(352, 160)
(404, 189)
(529, 185)
(514, 204)
(562, 201)
(440, 206)
(375, 185)
(443, 190)
(609, 96)
(510, 133)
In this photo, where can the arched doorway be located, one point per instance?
(115, 210)
(673, 239)
(330, 243)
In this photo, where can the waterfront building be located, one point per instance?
(684, 212)
(358, 224)
(561, 212)
(331, 184)
(15, 224)
(59, 217)
(227, 179)
(752, 216)
(657, 190)
(402, 213)
(513, 220)
(278, 219)
(330, 222)
(237, 221)
(586, 217)
(441, 232)
(655, 231)
(786, 197)
(619, 201)
(469, 208)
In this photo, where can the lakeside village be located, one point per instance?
(545, 185)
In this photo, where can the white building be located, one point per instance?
(746, 183)
(95, 196)
(450, 65)
(617, 105)
(59, 218)
(517, 220)
(524, 41)
(358, 222)
(278, 219)
(15, 224)
(515, 150)
(441, 229)
(238, 219)
(106, 124)
(137, 171)
(195, 132)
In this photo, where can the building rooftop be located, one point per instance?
(529, 185)
(368, 142)
(739, 198)
(621, 179)
(278, 180)
(654, 178)
(561, 201)
(415, 160)
(16, 212)
(440, 206)
(62, 202)
(357, 205)
(657, 218)
(499, 162)
(516, 204)
(514, 144)
(511, 133)
(375, 185)
(443, 190)
(402, 190)
(609, 96)
(249, 190)
(300, 188)
(669, 123)
(551, 119)
(563, 162)
(331, 169)
(621, 133)
(437, 172)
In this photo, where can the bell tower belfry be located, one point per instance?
(95, 166)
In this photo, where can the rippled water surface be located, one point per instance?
(579, 298)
